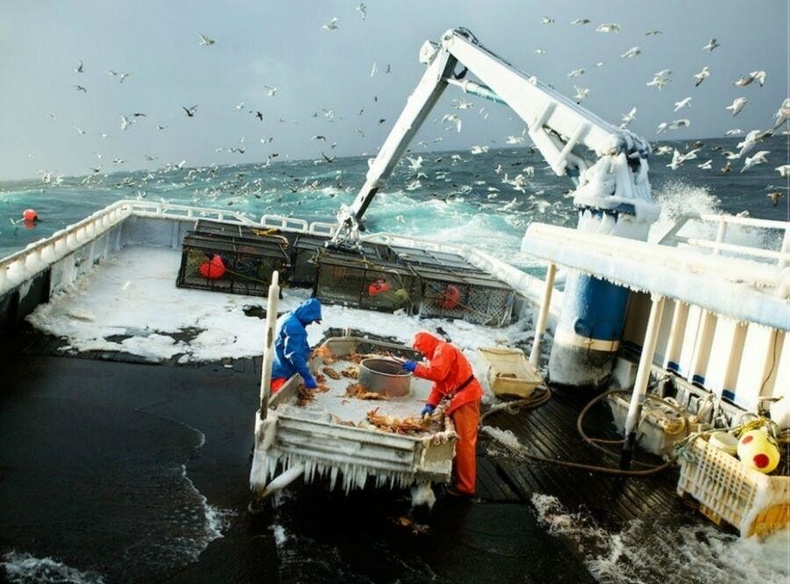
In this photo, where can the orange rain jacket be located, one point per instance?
(448, 368)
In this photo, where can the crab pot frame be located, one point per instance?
(473, 297)
(304, 255)
(246, 263)
(363, 282)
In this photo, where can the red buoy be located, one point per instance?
(213, 269)
(377, 287)
(29, 215)
(450, 298)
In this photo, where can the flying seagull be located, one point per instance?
(682, 103)
(632, 52)
(701, 76)
(79, 68)
(712, 44)
(737, 105)
(610, 27)
(362, 9)
(190, 110)
(205, 41)
(331, 25)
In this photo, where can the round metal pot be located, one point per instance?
(384, 376)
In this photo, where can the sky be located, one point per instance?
(350, 83)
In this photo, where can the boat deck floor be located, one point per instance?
(33, 362)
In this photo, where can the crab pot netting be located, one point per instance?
(245, 264)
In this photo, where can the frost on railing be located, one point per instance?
(753, 239)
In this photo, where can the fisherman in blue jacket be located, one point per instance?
(291, 350)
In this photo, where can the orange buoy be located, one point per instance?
(29, 215)
(213, 269)
(377, 287)
(450, 298)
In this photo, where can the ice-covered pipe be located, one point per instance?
(614, 199)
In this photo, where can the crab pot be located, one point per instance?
(237, 265)
(442, 294)
(431, 258)
(304, 255)
(490, 301)
(363, 283)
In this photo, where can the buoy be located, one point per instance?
(30, 215)
(377, 287)
(450, 298)
(757, 451)
(213, 269)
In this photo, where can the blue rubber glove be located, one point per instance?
(409, 365)
(427, 410)
(310, 383)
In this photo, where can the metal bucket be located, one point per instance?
(384, 376)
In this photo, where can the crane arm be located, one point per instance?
(564, 132)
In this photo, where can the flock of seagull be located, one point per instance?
(453, 121)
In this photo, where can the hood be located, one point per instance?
(308, 311)
(426, 343)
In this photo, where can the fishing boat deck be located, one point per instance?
(504, 476)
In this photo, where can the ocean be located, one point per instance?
(485, 199)
(457, 197)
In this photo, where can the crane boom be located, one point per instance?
(564, 132)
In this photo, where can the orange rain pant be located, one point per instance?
(466, 419)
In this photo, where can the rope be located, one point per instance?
(540, 400)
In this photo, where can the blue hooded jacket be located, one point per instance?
(291, 350)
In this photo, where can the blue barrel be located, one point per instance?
(588, 332)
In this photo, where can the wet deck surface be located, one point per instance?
(65, 400)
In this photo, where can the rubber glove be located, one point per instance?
(427, 410)
(310, 383)
(409, 365)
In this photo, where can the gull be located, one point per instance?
(783, 113)
(205, 41)
(331, 25)
(682, 103)
(374, 69)
(712, 44)
(581, 21)
(319, 137)
(576, 73)
(653, 32)
(726, 168)
(479, 149)
(784, 170)
(629, 117)
(706, 165)
(701, 76)
(660, 79)
(362, 9)
(461, 104)
(733, 132)
(79, 68)
(664, 149)
(547, 20)
(632, 52)
(540, 51)
(270, 91)
(80, 131)
(662, 127)
(581, 93)
(611, 27)
(758, 158)
(454, 119)
(81, 88)
(678, 124)
(775, 196)
(514, 140)
(125, 122)
(414, 163)
(240, 106)
(737, 105)
(190, 110)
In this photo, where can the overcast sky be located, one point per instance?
(54, 118)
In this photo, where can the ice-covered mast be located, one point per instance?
(612, 191)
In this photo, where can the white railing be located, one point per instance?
(779, 257)
(35, 257)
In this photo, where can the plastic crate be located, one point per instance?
(247, 263)
(729, 492)
(363, 282)
(509, 372)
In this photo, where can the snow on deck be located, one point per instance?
(130, 303)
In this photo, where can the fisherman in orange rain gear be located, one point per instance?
(452, 376)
